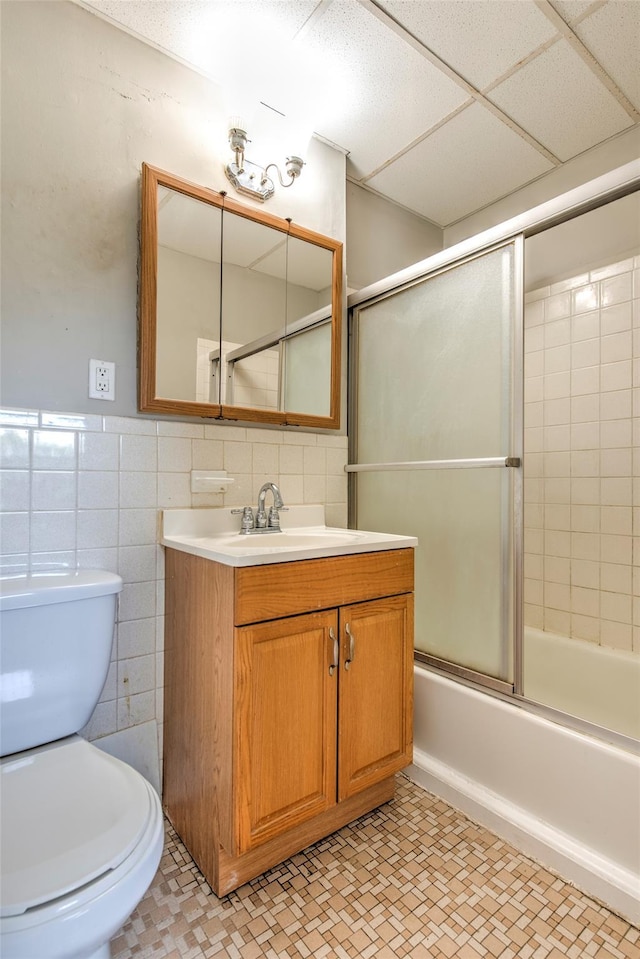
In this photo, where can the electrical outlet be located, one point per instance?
(102, 380)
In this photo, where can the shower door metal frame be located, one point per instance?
(598, 192)
(511, 519)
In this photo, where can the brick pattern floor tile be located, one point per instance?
(414, 878)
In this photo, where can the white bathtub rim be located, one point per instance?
(594, 874)
(593, 664)
(601, 738)
(622, 655)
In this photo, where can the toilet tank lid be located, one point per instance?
(59, 586)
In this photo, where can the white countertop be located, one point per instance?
(214, 534)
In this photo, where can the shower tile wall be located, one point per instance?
(82, 490)
(582, 453)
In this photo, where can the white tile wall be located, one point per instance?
(582, 451)
(85, 491)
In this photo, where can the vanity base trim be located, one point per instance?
(234, 871)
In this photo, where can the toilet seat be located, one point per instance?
(72, 815)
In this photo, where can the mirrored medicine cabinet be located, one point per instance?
(240, 310)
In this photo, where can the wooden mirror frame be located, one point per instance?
(148, 401)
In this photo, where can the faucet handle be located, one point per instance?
(274, 516)
(247, 521)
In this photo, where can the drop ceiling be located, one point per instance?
(443, 106)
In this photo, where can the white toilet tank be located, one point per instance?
(56, 631)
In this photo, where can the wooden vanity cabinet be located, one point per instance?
(286, 725)
(375, 718)
(288, 702)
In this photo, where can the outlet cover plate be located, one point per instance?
(102, 380)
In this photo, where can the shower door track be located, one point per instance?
(448, 668)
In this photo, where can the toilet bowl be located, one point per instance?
(81, 833)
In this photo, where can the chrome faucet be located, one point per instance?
(262, 522)
(272, 521)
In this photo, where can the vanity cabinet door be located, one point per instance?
(375, 733)
(285, 704)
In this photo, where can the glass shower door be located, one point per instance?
(434, 370)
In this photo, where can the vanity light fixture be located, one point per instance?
(250, 178)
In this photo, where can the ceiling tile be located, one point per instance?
(481, 41)
(192, 29)
(561, 102)
(370, 91)
(612, 35)
(390, 94)
(471, 161)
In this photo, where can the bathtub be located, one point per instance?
(565, 798)
(593, 682)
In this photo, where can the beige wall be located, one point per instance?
(83, 105)
(383, 238)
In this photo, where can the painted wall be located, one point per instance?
(83, 105)
(383, 238)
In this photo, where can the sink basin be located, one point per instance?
(213, 534)
(311, 538)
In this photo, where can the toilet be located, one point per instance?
(81, 832)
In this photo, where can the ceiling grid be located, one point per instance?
(549, 11)
(442, 106)
(473, 93)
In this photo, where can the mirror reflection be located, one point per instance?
(247, 311)
(274, 289)
(188, 295)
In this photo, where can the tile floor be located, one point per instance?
(413, 878)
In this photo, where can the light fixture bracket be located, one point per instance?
(250, 179)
